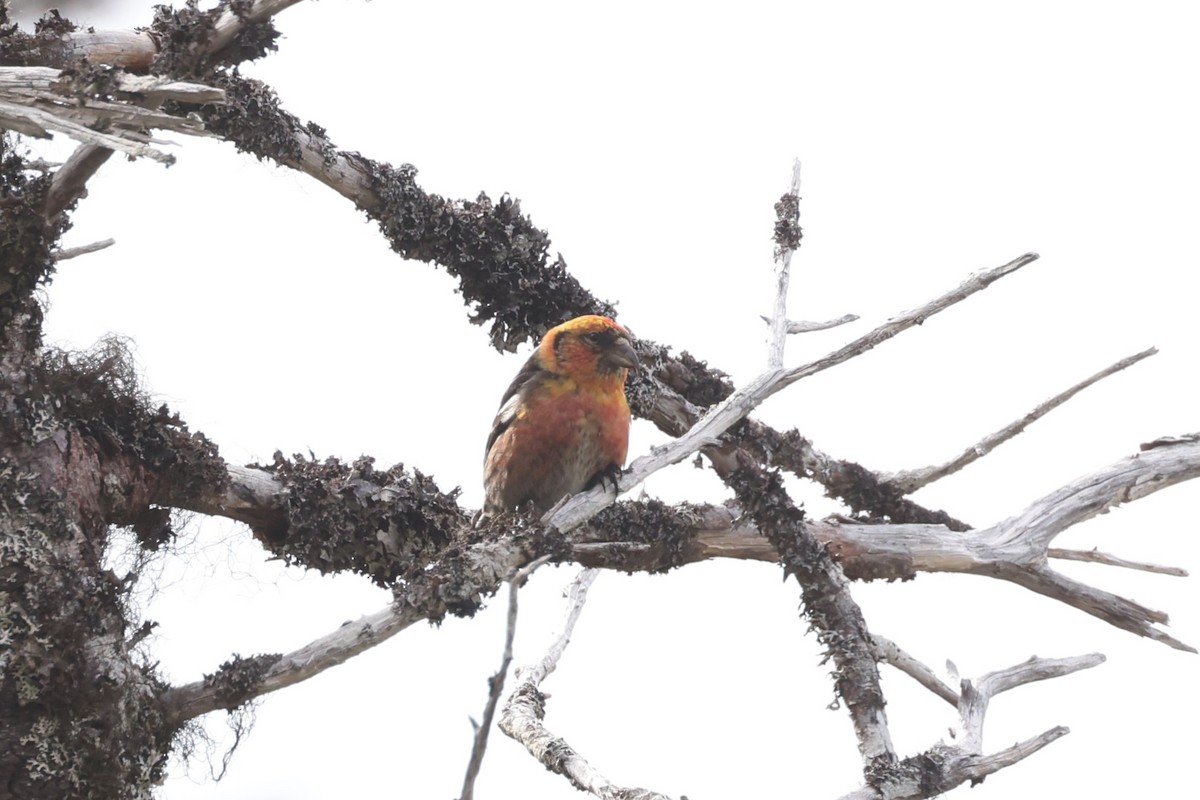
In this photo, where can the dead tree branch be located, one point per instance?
(888, 652)
(38, 100)
(74, 252)
(496, 681)
(910, 480)
(943, 766)
(70, 180)
(804, 326)
(525, 710)
(1096, 557)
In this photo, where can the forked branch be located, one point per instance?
(944, 766)
(525, 710)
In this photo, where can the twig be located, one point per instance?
(787, 240)
(1095, 556)
(73, 252)
(482, 567)
(910, 480)
(805, 326)
(976, 769)
(902, 322)
(889, 652)
(526, 707)
(496, 682)
(1112, 608)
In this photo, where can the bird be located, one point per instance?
(563, 424)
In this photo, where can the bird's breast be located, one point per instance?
(561, 438)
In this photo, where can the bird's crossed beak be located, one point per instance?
(621, 354)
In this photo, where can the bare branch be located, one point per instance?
(74, 252)
(194, 699)
(889, 652)
(945, 766)
(37, 122)
(1113, 609)
(1122, 482)
(35, 101)
(902, 322)
(976, 695)
(480, 568)
(496, 682)
(70, 181)
(526, 707)
(1096, 557)
(804, 326)
(787, 239)
(30, 84)
(981, 766)
(911, 480)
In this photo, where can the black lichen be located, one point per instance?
(665, 530)
(500, 259)
(237, 681)
(182, 33)
(384, 524)
(698, 382)
(787, 234)
(252, 119)
(856, 486)
(97, 393)
(26, 238)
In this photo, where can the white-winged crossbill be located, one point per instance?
(563, 424)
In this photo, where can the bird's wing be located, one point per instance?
(531, 375)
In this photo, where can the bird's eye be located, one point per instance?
(594, 336)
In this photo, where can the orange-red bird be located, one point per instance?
(563, 424)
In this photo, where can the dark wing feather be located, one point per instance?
(531, 374)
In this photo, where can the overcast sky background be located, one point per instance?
(651, 141)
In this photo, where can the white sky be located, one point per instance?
(651, 141)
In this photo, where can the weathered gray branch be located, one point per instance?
(910, 480)
(889, 652)
(496, 681)
(67, 253)
(806, 326)
(1096, 557)
(525, 709)
(945, 766)
(36, 101)
(70, 180)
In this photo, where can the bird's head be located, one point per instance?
(588, 346)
